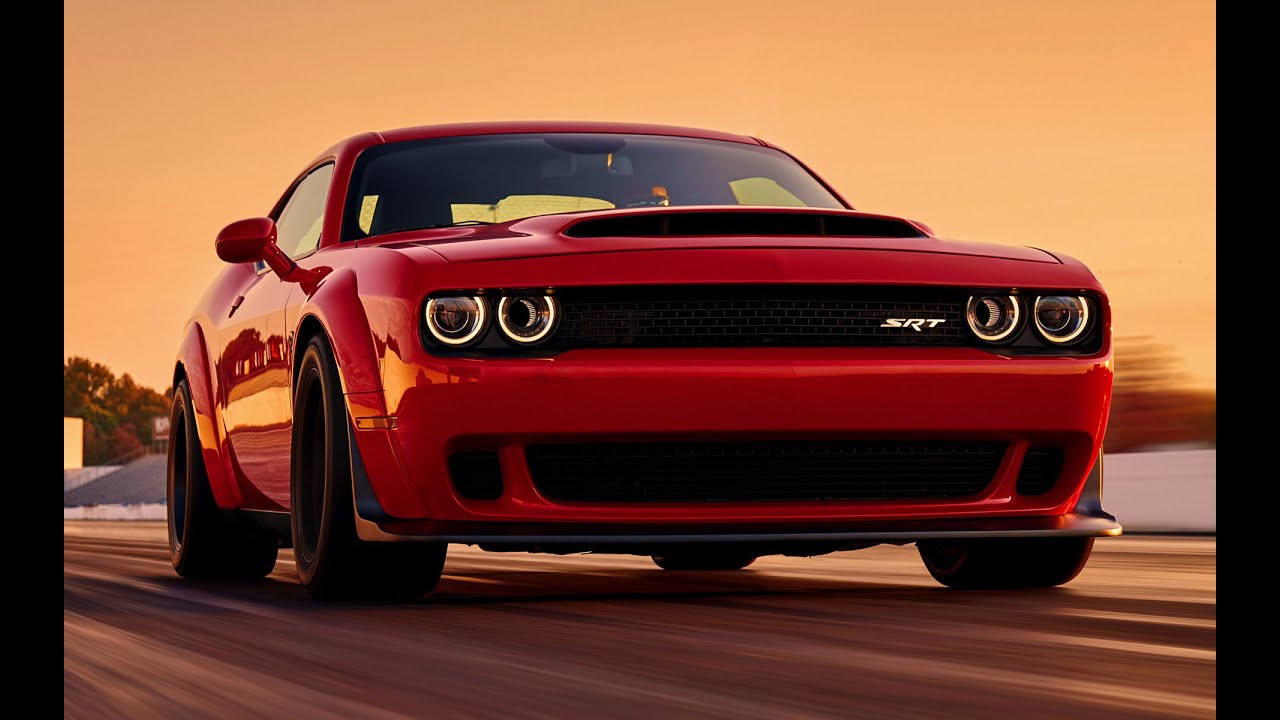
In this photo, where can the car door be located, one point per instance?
(254, 368)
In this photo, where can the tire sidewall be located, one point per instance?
(181, 415)
(944, 559)
(990, 563)
(314, 374)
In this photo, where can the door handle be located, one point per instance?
(235, 304)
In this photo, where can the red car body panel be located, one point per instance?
(368, 305)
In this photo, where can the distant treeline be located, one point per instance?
(117, 411)
(1153, 404)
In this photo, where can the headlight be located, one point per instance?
(992, 317)
(527, 319)
(1061, 318)
(455, 320)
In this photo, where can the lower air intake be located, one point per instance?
(763, 471)
(476, 475)
(1040, 470)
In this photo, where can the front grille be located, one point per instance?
(675, 316)
(476, 475)
(1040, 470)
(763, 471)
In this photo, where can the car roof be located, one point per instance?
(548, 126)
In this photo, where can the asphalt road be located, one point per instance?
(861, 634)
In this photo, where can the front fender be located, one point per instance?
(196, 363)
(336, 305)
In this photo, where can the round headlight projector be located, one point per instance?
(992, 317)
(527, 319)
(1061, 318)
(455, 320)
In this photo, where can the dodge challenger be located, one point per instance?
(575, 337)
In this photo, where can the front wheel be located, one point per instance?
(1005, 562)
(332, 561)
(695, 558)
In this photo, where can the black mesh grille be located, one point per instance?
(476, 475)
(736, 471)
(1040, 470)
(760, 316)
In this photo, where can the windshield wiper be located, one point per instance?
(460, 223)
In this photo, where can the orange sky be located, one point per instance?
(1086, 127)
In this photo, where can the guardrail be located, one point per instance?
(72, 479)
(129, 457)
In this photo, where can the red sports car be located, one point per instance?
(604, 337)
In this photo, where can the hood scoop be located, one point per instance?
(743, 222)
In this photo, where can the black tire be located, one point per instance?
(1005, 562)
(704, 558)
(202, 541)
(332, 562)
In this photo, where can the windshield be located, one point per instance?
(499, 178)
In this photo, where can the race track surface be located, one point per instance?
(860, 634)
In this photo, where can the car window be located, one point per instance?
(298, 228)
(439, 182)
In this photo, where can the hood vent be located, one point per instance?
(729, 222)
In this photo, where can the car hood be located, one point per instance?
(655, 229)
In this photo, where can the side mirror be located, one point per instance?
(244, 241)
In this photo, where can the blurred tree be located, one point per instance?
(109, 404)
(124, 441)
(83, 382)
(137, 405)
(1153, 402)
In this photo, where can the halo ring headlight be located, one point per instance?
(993, 318)
(455, 320)
(1061, 319)
(527, 319)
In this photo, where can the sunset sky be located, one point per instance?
(1086, 127)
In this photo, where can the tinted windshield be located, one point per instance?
(498, 178)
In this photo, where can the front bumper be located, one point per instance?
(505, 405)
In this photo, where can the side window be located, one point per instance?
(298, 229)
